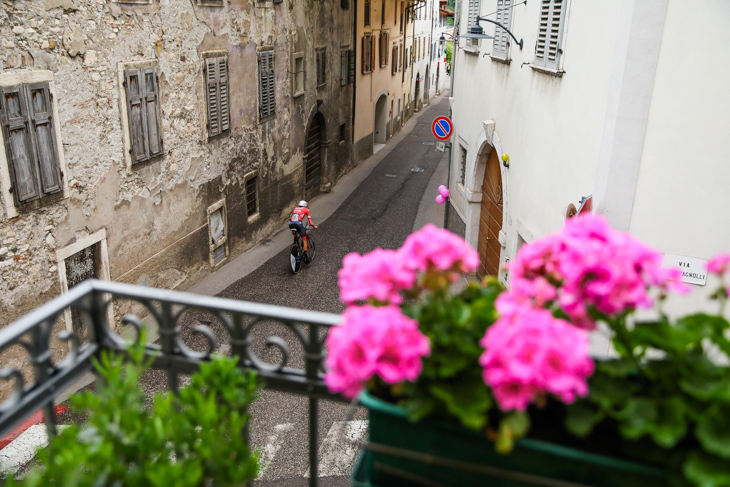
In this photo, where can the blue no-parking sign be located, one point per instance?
(442, 128)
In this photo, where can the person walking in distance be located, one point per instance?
(297, 219)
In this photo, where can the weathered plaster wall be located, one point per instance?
(155, 212)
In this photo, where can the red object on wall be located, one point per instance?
(586, 205)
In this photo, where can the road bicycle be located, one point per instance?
(296, 252)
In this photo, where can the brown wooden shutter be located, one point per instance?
(18, 144)
(372, 52)
(136, 115)
(351, 67)
(366, 16)
(344, 67)
(363, 55)
(266, 83)
(211, 82)
(387, 44)
(152, 105)
(44, 137)
(225, 118)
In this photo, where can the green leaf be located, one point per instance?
(713, 431)
(706, 470)
(638, 417)
(617, 367)
(581, 417)
(671, 425)
(467, 403)
(518, 422)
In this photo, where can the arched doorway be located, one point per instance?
(490, 219)
(313, 157)
(418, 90)
(381, 120)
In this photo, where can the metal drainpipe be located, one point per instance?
(454, 49)
(354, 79)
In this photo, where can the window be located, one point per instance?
(368, 53)
(402, 10)
(501, 41)
(395, 13)
(31, 147)
(382, 14)
(394, 68)
(343, 129)
(550, 34)
(252, 196)
(86, 258)
(463, 166)
(216, 80)
(298, 74)
(347, 66)
(383, 49)
(400, 62)
(143, 112)
(345, 4)
(217, 233)
(473, 13)
(366, 15)
(210, 3)
(267, 103)
(321, 65)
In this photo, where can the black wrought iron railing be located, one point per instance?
(244, 323)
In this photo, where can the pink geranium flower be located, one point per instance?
(589, 263)
(379, 275)
(533, 353)
(719, 264)
(435, 248)
(373, 341)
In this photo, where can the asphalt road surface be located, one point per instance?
(379, 213)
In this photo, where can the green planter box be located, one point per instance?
(444, 453)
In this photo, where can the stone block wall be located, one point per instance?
(154, 213)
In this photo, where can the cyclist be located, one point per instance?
(297, 218)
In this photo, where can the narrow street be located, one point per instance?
(379, 213)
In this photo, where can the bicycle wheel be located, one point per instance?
(310, 248)
(295, 258)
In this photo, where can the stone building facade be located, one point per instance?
(148, 141)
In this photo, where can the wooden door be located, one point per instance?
(490, 221)
(313, 160)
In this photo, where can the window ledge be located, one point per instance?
(502, 60)
(254, 218)
(471, 50)
(558, 73)
(297, 94)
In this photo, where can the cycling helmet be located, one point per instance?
(303, 203)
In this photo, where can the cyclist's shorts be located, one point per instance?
(299, 227)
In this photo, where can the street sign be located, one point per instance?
(694, 270)
(442, 128)
(440, 146)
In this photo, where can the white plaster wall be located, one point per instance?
(683, 190)
(550, 127)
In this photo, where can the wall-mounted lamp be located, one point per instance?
(505, 160)
(442, 39)
(477, 32)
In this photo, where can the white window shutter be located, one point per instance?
(502, 39)
(555, 40)
(550, 34)
(473, 13)
(542, 33)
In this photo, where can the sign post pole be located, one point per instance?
(448, 200)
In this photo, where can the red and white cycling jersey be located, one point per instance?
(299, 214)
